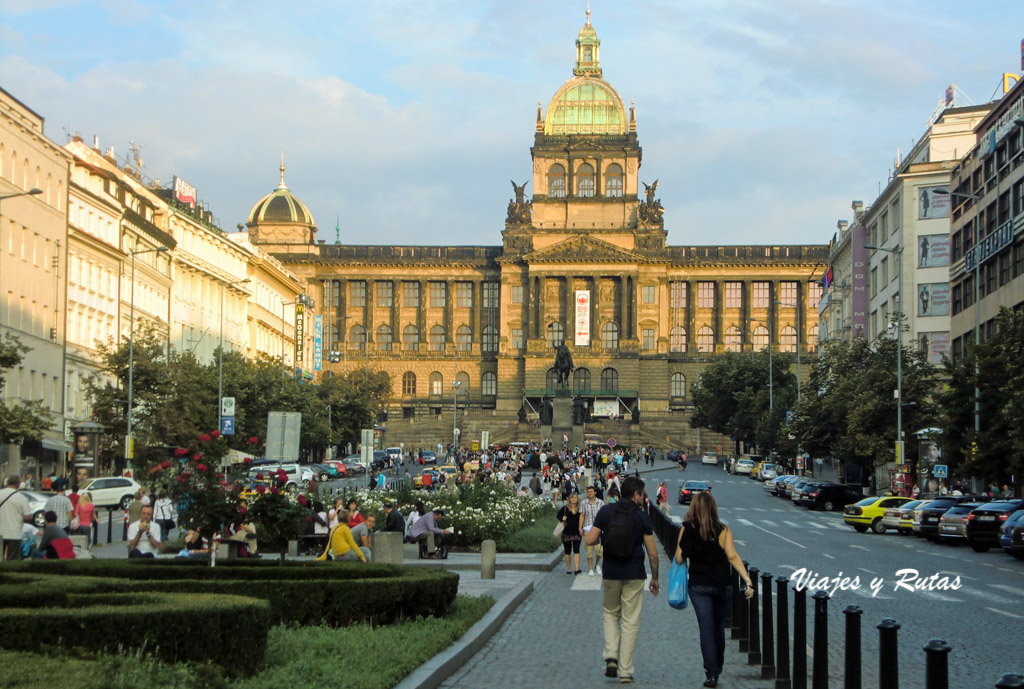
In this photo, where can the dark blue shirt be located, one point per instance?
(642, 526)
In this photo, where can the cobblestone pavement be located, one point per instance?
(555, 638)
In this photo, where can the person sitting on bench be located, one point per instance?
(428, 532)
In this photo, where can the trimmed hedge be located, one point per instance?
(228, 630)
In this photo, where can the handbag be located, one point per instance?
(557, 533)
(677, 597)
(75, 521)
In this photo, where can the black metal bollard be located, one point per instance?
(767, 629)
(737, 602)
(851, 679)
(754, 642)
(782, 626)
(744, 610)
(936, 665)
(728, 608)
(888, 655)
(800, 638)
(1010, 681)
(819, 672)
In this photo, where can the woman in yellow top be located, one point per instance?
(340, 543)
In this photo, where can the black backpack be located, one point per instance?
(618, 537)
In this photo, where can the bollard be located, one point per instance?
(488, 554)
(744, 615)
(888, 654)
(782, 626)
(737, 602)
(936, 665)
(851, 659)
(754, 641)
(293, 548)
(819, 671)
(799, 638)
(1010, 681)
(728, 608)
(767, 629)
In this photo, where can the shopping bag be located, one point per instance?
(677, 586)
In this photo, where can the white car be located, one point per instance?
(114, 491)
(743, 466)
(709, 458)
(297, 474)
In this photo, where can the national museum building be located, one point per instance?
(582, 260)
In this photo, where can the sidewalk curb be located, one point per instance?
(432, 673)
(539, 566)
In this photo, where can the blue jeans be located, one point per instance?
(710, 603)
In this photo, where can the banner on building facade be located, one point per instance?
(859, 281)
(934, 345)
(582, 318)
(300, 327)
(318, 342)
(933, 251)
(184, 192)
(931, 204)
(933, 299)
(606, 408)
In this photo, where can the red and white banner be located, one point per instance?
(184, 192)
(582, 319)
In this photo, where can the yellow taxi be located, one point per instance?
(868, 513)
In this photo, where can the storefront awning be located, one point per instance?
(55, 445)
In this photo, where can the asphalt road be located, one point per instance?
(982, 620)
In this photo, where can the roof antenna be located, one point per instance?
(282, 184)
(588, 12)
(337, 230)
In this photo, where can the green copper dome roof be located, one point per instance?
(586, 105)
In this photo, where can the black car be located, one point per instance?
(930, 516)
(1017, 542)
(828, 496)
(801, 496)
(691, 488)
(984, 522)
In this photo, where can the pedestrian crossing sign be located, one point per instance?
(940, 471)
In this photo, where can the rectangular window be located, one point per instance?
(787, 294)
(677, 295)
(885, 224)
(885, 273)
(814, 291)
(411, 294)
(958, 299)
(385, 293)
(649, 292)
(648, 338)
(894, 213)
(874, 281)
(357, 293)
(706, 295)
(464, 294)
(733, 295)
(1018, 259)
(762, 294)
(438, 294)
(490, 295)
(1004, 268)
(517, 294)
(517, 338)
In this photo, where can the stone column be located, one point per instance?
(773, 313)
(371, 287)
(690, 290)
(475, 313)
(449, 311)
(716, 313)
(570, 310)
(421, 313)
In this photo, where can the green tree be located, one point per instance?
(20, 420)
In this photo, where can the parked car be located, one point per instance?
(801, 496)
(674, 455)
(894, 517)
(395, 453)
(324, 472)
(984, 522)
(1006, 531)
(795, 486)
(867, 513)
(354, 464)
(114, 491)
(829, 496)
(929, 527)
(1017, 541)
(295, 475)
(953, 524)
(768, 471)
(339, 467)
(915, 526)
(691, 488)
(429, 457)
(781, 486)
(743, 466)
(709, 458)
(36, 503)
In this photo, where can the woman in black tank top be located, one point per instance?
(707, 546)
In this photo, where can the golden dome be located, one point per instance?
(280, 206)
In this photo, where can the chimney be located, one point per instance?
(95, 143)
(78, 137)
(842, 225)
(857, 206)
(111, 155)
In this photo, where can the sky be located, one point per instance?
(404, 121)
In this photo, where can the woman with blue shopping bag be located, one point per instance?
(706, 547)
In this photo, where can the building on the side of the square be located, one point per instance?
(584, 260)
(987, 248)
(33, 262)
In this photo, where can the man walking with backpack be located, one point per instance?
(625, 531)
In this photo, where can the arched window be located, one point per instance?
(489, 341)
(463, 380)
(787, 339)
(706, 340)
(677, 385)
(49, 188)
(411, 338)
(464, 338)
(677, 339)
(551, 380)
(580, 380)
(437, 338)
(384, 338)
(436, 384)
(60, 195)
(408, 383)
(610, 336)
(609, 380)
(733, 339)
(613, 181)
(556, 181)
(585, 180)
(760, 338)
(357, 338)
(812, 336)
(489, 384)
(556, 334)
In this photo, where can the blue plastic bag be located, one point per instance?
(677, 597)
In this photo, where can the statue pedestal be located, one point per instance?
(562, 423)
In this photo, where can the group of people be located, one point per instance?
(68, 515)
(348, 534)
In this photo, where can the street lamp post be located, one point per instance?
(697, 382)
(128, 445)
(898, 251)
(220, 353)
(455, 412)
